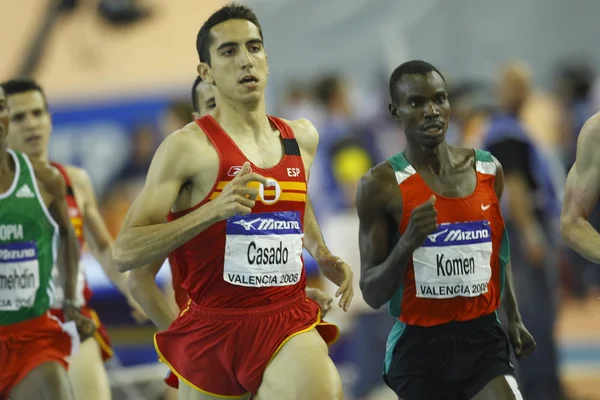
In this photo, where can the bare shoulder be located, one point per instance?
(377, 185)
(306, 134)
(78, 175)
(590, 133)
(183, 151)
(49, 178)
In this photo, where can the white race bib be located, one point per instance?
(19, 275)
(264, 249)
(454, 261)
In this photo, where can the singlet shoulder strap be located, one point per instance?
(63, 171)
(401, 167)
(484, 162)
(290, 145)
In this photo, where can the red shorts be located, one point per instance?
(26, 345)
(100, 335)
(224, 352)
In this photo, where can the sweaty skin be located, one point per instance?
(581, 194)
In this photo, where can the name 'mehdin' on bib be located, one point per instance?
(454, 261)
(19, 275)
(263, 249)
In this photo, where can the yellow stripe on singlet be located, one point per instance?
(300, 197)
(296, 186)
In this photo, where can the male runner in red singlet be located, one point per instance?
(30, 132)
(143, 280)
(237, 235)
(581, 194)
(34, 346)
(433, 246)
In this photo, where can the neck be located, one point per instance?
(436, 160)
(242, 119)
(5, 164)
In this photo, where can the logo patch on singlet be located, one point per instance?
(263, 249)
(19, 275)
(454, 261)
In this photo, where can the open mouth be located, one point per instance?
(33, 139)
(249, 81)
(434, 129)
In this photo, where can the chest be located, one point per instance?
(458, 183)
(265, 153)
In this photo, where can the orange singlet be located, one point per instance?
(458, 273)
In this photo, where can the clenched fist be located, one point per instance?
(423, 222)
(237, 197)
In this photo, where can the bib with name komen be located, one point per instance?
(263, 249)
(454, 261)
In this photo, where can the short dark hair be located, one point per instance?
(197, 82)
(230, 11)
(22, 85)
(414, 67)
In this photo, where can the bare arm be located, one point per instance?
(97, 234)
(581, 194)
(142, 283)
(69, 247)
(509, 300)
(308, 140)
(383, 264)
(145, 238)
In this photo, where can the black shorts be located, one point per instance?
(452, 361)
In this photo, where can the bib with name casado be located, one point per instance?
(454, 261)
(264, 249)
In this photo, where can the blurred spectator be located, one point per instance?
(528, 216)
(299, 103)
(574, 85)
(367, 329)
(470, 113)
(338, 123)
(129, 181)
(178, 114)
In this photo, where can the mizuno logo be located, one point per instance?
(434, 236)
(263, 224)
(457, 234)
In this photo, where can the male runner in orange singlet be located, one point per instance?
(433, 246)
(34, 346)
(238, 235)
(30, 131)
(581, 194)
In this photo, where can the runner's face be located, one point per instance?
(4, 118)
(423, 109)
(239, 67)
(205, 98)
(30, 123)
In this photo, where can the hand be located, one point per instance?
(423, 222)
(521, 340)
(323, 299)
(340, 273)
(237, 197)
(85, 326)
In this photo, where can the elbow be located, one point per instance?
(568, 224)
(122, 259)
(371, 296)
